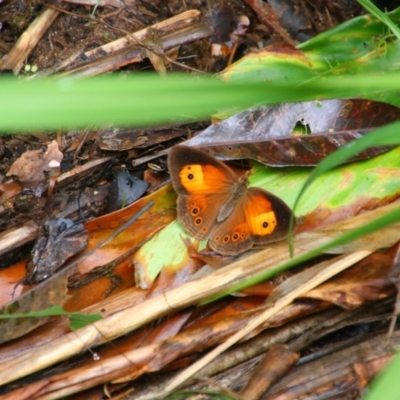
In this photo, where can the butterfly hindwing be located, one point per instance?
(198, 213)
(232, 236)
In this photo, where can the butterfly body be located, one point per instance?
(214, 203)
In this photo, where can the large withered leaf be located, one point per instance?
(266, 134)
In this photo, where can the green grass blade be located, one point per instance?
(374, 10)
(77, 320)
(149, 100)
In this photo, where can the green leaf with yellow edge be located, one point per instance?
(362, 183)
(358, 46)
(385, 136)
(164, 251)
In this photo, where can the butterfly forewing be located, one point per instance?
(204, 179)
(204, 184)
(195, 172)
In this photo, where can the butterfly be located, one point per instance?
(215, 204)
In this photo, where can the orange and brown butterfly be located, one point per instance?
(215, 204)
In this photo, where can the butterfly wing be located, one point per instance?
(198, 213)
(267, 215)
(203, 184)
(258, 219)
(232, 236)
(195, 172)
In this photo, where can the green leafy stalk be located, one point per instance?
(149, 100)
(77, 320)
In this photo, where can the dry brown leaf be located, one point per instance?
(32, 167)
